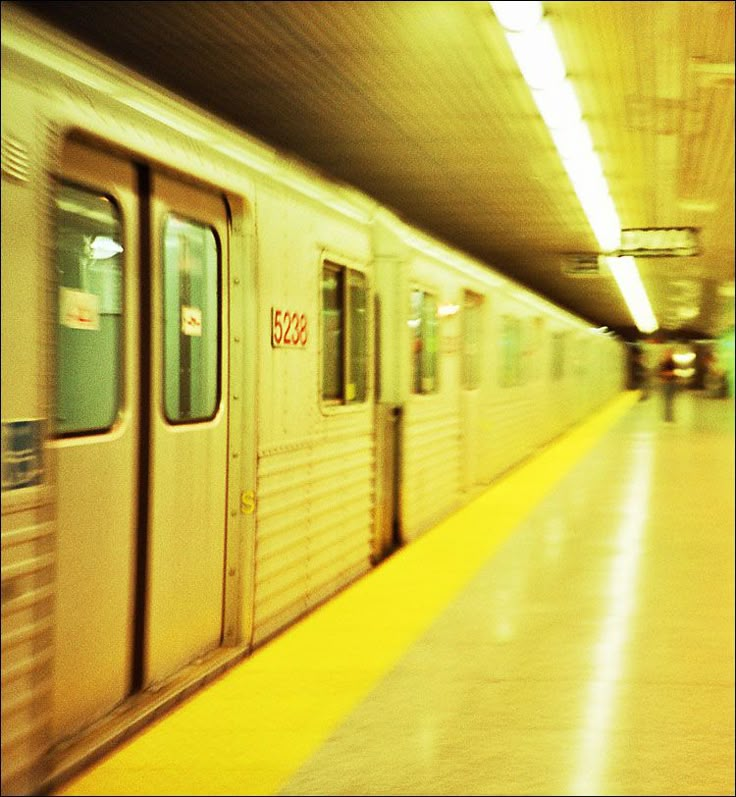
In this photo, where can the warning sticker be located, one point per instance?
(78, 309)
(191, 321)
(22, 454)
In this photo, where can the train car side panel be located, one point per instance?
(28, 529)
(241, 471)
(475, 308)
(430, 475)
(391, 335)
(316, 441)
(511, 408)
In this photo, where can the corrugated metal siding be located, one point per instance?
(314, 520)
(27, 645)
(28, 528)
(511, 416)
(516, 421)
(431, 464)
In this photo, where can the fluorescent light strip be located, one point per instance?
(518, 16)
(536, 53)
(533, 44)
(629, 282)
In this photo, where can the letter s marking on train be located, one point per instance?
(247, 502)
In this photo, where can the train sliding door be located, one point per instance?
(141, 430)
(470, 399)
(188, 466)
(97, 429)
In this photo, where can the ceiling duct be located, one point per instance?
(713, 74)
(582, 266)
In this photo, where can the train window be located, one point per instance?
(332, 333)
(89, 264)
(424, 326)
(472, 336)
(191, 321)
(527, 346)
(344, 335)
(558, 356)
(535, 338)
(510, 352)
(358, 360)
(581, 357)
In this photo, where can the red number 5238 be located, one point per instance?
(288, 328)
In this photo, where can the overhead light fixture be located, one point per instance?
(559, 107)
(533, 44)
(537, 55)
(518, 16)
(661, 242)
(629, 282)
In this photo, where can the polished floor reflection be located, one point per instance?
(572, 633)
(593, 654)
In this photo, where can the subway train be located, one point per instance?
(231, 387)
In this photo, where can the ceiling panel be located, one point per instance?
(421, 105)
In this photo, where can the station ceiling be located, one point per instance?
(421, 105)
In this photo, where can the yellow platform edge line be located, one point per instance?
(250, 730)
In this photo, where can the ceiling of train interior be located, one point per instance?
(422, 106)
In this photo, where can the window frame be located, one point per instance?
(93, 189)
(472, 362)
(345, 269)
(434, 293)
(558, 355)
(191, 220)
(510, 351)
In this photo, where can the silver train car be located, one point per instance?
(229, 388)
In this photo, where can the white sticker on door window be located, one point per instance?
(78, 309)
(191, 321)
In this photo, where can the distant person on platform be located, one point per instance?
(667, 373)
(641, 374)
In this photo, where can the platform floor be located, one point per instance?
(569, 632)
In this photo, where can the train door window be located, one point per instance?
(424, 326)
(510, 352)
(527, 345)
(536, 336)
(89, 263)
(344, 335)
(358, 360)
(472, 336)
(558, 356)
(332, 333)
(581, 357)
(191, 321)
